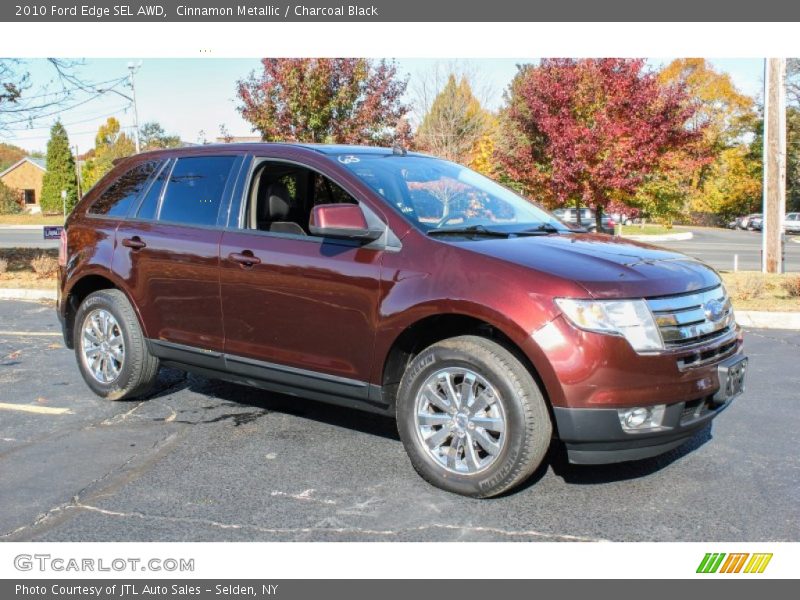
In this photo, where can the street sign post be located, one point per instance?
(52, 232)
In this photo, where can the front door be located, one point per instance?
(297, 308)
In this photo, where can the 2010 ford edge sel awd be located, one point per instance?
(400, 284)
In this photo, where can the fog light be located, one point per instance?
(641, 418)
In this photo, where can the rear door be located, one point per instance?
(303, 310)
(169, 255)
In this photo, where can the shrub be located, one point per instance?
(749, 287)
(44, 266)
(9, 202)
(791, 285)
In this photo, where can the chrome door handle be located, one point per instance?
(135, 243)
(245, 258)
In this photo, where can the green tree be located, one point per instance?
(60, 175)
(793, 135)
(455, 123)
(153, 137)
(9, 201)
(109, 145)
(792, 159)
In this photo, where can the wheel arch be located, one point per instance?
(86, 284)
(433, 328)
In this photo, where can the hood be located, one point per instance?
(607, 267)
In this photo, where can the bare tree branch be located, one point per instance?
(22, 104)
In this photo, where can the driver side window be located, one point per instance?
(282, 195)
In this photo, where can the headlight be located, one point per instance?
(631, 319)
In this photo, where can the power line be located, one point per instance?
(85, 120)
(77, 88)
(44, 137)
(47, 136)
(61, 110)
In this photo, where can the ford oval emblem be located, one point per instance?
(713, 310)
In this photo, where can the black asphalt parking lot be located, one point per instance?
(718, 247)
(203, 460)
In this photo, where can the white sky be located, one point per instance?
(189, 95)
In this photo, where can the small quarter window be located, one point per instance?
(149, 205)
(120, 195)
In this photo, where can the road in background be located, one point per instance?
(717, 247)
(203, 460)
(19, 237)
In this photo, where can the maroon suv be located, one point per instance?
(400, 284)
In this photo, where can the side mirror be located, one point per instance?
(345, 221)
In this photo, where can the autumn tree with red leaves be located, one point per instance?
(590, 131)
(326, 100)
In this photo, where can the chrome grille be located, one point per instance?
(689, 318)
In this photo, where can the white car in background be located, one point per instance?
(746, 221)
(791, 223)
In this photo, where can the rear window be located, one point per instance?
(117, 199)
(195, 189)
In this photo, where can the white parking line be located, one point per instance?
(32, 333)
(34, 408)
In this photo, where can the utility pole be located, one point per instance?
(132, 99)
(133, 68)
(774, 165)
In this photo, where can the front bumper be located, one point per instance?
(595, 436)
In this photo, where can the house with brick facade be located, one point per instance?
(25, 177)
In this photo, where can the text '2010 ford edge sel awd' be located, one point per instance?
(400, 284)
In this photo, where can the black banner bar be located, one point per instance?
(402, 10)
(402, 589)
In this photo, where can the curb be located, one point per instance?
(761, 319)
(25, 227)
(26, 294)
(666, 237)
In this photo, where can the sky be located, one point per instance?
(188, 95)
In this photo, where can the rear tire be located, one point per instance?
(111, 349)
(479, 451)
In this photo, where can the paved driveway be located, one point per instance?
(203, 460)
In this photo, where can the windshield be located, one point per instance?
(435, 194)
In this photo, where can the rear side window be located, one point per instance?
(195, 189)
(120, 195)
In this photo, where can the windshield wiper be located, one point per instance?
(471, 230)
(540, 229)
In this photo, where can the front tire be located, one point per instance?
(471, 417)
(111, 348)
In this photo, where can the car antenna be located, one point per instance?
(398, 150)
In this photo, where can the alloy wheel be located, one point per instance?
(460, 420)
(102, 346)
